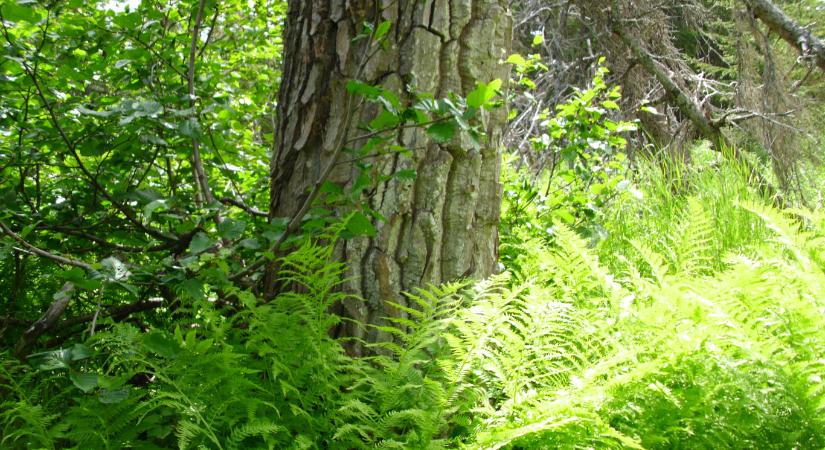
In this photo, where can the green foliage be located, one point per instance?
(582, 169)
(97, 130)
(669, 309)
(693, 337)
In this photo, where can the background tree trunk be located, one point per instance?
(439, 227)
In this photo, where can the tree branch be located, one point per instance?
(42, 253)
(809, 46)
(197, 164)
(117, 313)
(252, 211)
(29, 337)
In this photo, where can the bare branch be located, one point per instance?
(809, 46)
(252, 211)
(29, 337)
(42, 253)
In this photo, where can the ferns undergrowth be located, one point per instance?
(696, 323)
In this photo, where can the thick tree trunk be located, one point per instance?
(800, 37)
(439, 227)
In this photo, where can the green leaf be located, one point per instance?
(406, 174)
(84, 381)
(80, 279)
(359, 225)
(91, 112)
(51, 360)
(565, 216)
(17, 12)
(80, 351)
(626, 126)
(358, 88)
(153, 206)
(483, 93)
(190, 128)
(517, 60)
(200, 242)
(382, 30)
(193, 289)
(442, 131)
(231, 229)
(109, 396)
(649, 109)
(250, 243)
(385, 121)
(162, 344)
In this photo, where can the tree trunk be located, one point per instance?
(443, 225)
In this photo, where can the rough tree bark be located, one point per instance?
(439, 227)
(809, 45)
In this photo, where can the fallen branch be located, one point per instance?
(809, 46)
(710, 129)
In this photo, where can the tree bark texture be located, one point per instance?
(809, 45)
(439, 227)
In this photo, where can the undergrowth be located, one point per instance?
(694, 322)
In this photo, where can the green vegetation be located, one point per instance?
(695, 324)
(646, 298)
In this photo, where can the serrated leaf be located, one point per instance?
(193, 288)
(153, 206)
(190, 128)
(517, 60)
(80, 351)
(363, 89)
(51, 360)
(80, 279)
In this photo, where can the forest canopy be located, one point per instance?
(412, 224)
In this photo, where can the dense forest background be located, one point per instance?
(473, 224)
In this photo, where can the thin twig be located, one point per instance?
(42, 253)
